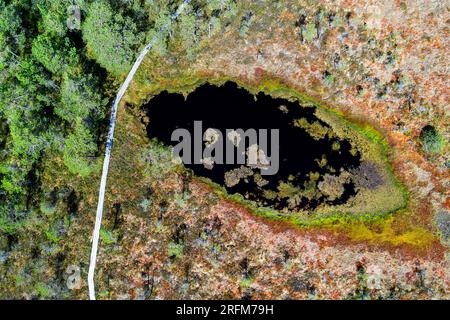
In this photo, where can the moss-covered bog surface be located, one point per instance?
(373, 72)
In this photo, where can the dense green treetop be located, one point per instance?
(111, 38)
(59, 59)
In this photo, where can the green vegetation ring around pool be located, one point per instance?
(370, 203)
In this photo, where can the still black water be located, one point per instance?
(231, 107)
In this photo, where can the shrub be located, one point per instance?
(158, 159)
(430, 140)
(52, 235)
(43, 291)
(175, 250)
(107, 236)
(47, 208)
(310, 33)
(145, 204)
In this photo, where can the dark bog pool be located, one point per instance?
(309, 152)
